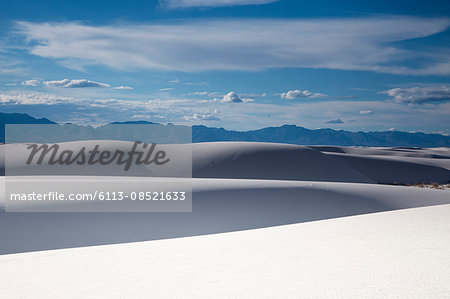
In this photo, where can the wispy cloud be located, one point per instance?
(366, 112)
(41, 98)
(419, 95)
(10, 66)
(201, 117)
(123, 88)
(80, 83)
(203, 93)
(34, 99)
(299, 94)
(172, 4)
(370, 44)
(252, 115)
(32, 82)
(178, 81)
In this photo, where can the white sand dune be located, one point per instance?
(416, 152)
(252, 160)
(339, 164)
(402, 170)
(267, 220)
(294, 184)
(219, 205)
(396, 254)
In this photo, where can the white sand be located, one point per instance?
(252, 160)
(219, 205)
(268, 221)
(397, 254)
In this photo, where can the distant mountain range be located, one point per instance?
(284, 134)
(18, 118)
(299, 135)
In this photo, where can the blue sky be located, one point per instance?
(238, 64)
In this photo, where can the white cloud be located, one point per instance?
(211, 3)
(82, 83)
(371, 44)
(34, 99)
(419, 95)
(199, 116)
(38, 98)
(298, 94)
(188, 83)
(365, 112)
(31, 82)
(147, 116)
(255, 115)
(79, 83)
(227, 98)
(166, 89)
(118, 103)
(123, 87)
(166, 104)
(203, 93)
(232, 97)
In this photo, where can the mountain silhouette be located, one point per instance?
(285, 134)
